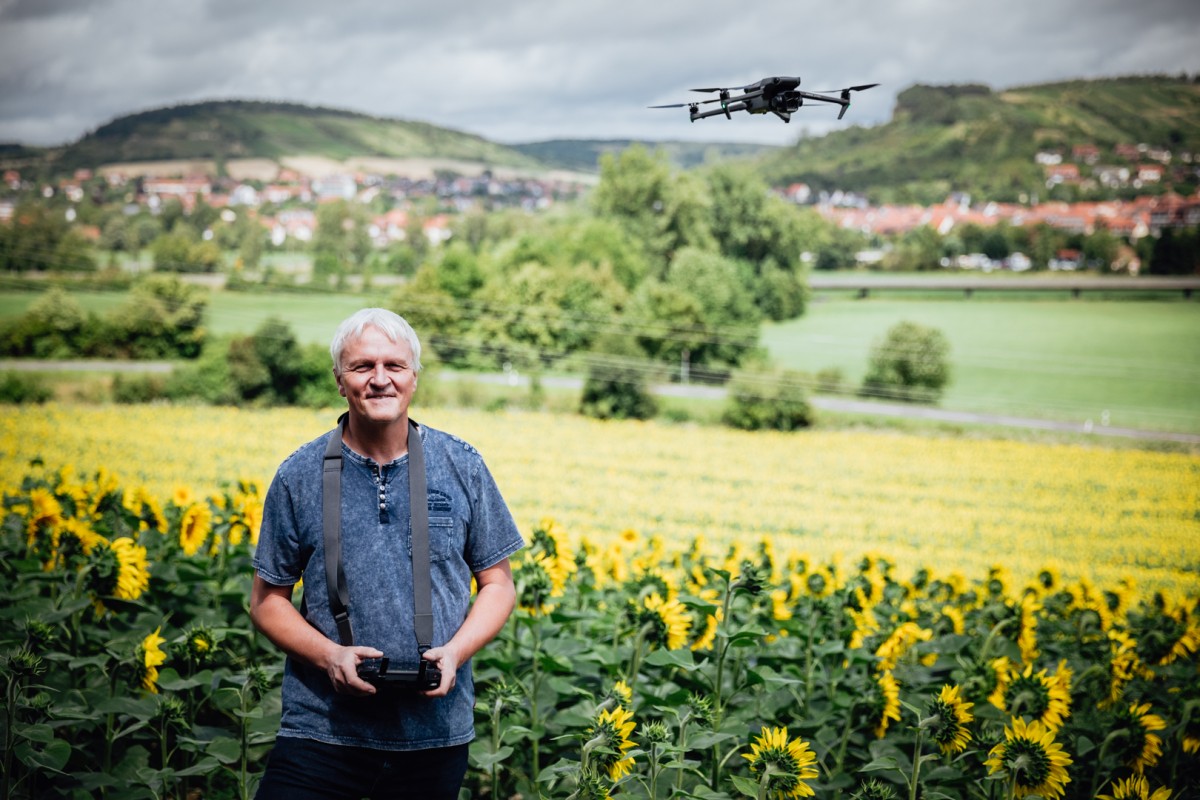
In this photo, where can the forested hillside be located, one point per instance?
(970, 138)
(244, 129)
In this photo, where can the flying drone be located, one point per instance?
(777, 95)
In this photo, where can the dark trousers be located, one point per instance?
(304, 769)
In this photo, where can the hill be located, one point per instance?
(238, 129)
(940, 139)
(970, 138)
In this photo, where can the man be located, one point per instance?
(339, 737)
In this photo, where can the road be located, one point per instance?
(839, 404)
(902, 410)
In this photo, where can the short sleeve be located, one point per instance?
(493, 535)
(277, 558)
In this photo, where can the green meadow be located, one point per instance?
(1129, 363)
(1124, 363)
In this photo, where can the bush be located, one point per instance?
(616, 384)
(207, 379)
(768, 401)
(17, 388)
(832, 380)
(138, 388)
(911, 363)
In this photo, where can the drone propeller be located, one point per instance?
(850, 89)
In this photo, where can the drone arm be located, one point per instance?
(729, 107)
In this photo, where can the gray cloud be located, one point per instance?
(541, 69)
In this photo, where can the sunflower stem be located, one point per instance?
(916, 770)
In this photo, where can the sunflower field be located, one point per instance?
(642, 661)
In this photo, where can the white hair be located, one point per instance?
(394, 326)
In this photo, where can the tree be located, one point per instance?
(910, 363)
(918, 249)
(341, 240)
(660, 211)
(31, 240)
(55, 326)
(163, 317)
(730, 319)
(668, 321)
(1176, 252)
(781, 294)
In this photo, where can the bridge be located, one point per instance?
(863, 285)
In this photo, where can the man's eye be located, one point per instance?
(360, 368)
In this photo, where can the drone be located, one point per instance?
(777, 95)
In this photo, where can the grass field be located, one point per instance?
(1126, 363)
(1138, 361)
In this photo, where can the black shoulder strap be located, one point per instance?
(331, 502)
(418, 505)
(331, 516)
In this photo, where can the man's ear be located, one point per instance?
(338, 379)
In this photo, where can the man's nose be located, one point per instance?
(379, 374)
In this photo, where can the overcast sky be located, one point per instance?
(532, 70)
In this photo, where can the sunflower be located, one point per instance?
(194, 527)
(948, 719)
(1031, 759)
(551, 538)
(782, 765)
(1048, 580)
(610, 741)
(201, 644)
(77, 536)
(704, 641)
(534, 586)
(245, 517)
(865, 626)
(148, 511)
(1027, 629)
(781, 609)
(874, 790)
(820, 582)
(885, 702)
(954, 616)
(900, 642)
(622, 693)
(1123, 666)
(1135, 787)
(183, 496)
(1140, 748)
(1041, 697)
(45, 512)
(666, 622)
(1191, 735)
(1000, 677)
(150, 657)
(133, 575)
(117, 569)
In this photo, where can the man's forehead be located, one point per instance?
(374, 342)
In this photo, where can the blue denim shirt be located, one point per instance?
(470, 529)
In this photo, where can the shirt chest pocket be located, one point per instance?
(445, 528)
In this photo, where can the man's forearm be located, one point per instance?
(493, 604)
(273, 613)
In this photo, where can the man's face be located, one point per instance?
(377, 377)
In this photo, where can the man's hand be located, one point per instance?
(342, 669)
(445, 659)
